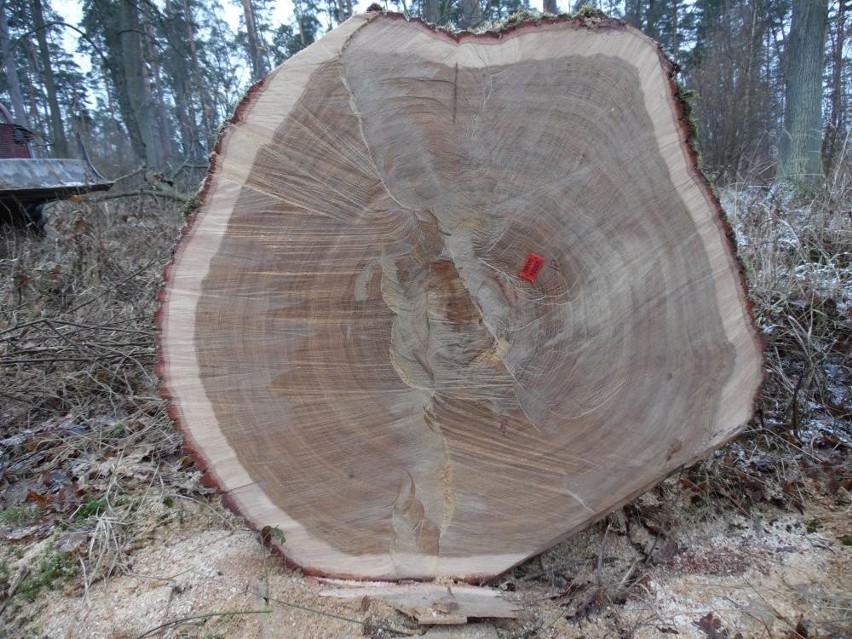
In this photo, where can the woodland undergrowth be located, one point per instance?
(89, 460)
(90, 463)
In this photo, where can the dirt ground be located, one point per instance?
(714, 572)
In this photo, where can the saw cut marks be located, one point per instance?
(446, 300)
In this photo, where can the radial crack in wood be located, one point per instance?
(446, 299)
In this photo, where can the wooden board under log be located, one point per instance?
(446, 299)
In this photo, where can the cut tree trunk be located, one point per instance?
(447, 299)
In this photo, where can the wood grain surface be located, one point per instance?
(346, 338)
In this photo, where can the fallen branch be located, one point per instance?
(176, 622)
(169, 193)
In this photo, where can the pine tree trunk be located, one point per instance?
(801, 142)
(202, 137)
(675, 52)
(15, 94)
(115, 18)
(137, 86)
(835, 131)
(159, 117)
(633, 10)
(432, 9)
(57, 126)
(258, 61)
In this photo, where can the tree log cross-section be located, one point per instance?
(448, 298)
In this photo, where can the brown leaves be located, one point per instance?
(50, 474)
(36, 487)
(80, 225)
(801, 631)
(712, 627)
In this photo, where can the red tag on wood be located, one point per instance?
(532, 267)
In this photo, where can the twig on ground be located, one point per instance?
(182, 620)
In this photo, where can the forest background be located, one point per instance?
(148, 82)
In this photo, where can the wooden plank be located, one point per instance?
(435, 604)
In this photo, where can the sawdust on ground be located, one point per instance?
(203, 574)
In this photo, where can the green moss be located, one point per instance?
(687, 97)
(53, 567)
(590, 11)
(518, 17)
(118, 430)
(92, 507)
(846, 540)
(19, 515)
(189, 208)
(804, 191)
(5, 579)
(813, 525)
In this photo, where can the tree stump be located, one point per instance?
(448, 298)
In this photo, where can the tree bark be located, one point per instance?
(801, 143)
(675, 52)
(259, 65)
(432, 11)
(153, 83)
(835, 130)
(421, 333)
(57, 126)
(471, 13)
(633, 12)
(199, 87)
(15, 94)
(136, 84)
(550, 7)
(117, 22)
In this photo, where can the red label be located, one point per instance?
(532, 267)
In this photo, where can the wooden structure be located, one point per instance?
(27, 183)
(447, 298)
